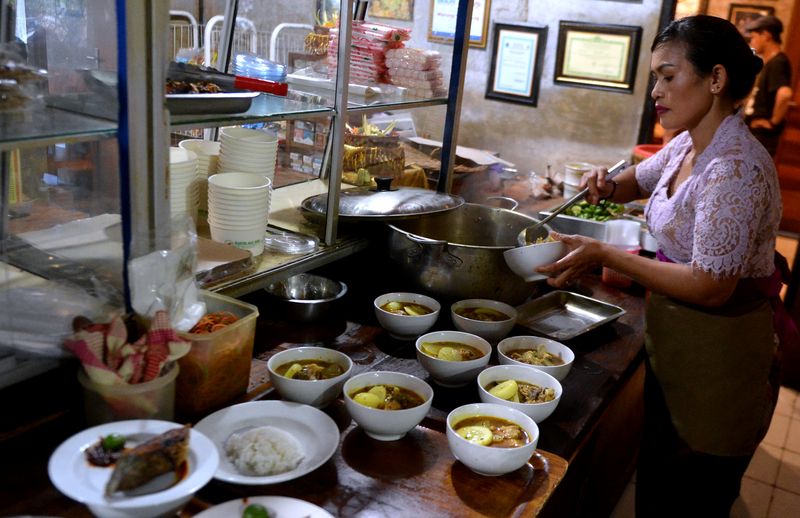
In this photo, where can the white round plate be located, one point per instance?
(75, 477)
(278, 506)
(314, 429)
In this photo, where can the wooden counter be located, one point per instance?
(596, 427)
(586, 450)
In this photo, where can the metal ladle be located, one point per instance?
(528, 235)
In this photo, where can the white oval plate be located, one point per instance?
(314, 429)
(278, 506)
(70, 472)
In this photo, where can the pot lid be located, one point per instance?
(385, 202)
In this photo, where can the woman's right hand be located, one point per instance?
(599, 188)
(584, 254)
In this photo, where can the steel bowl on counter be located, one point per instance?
(459, 253)
(306, 297)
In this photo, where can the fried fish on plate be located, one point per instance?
(161, 454)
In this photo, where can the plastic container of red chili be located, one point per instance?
(217, 369)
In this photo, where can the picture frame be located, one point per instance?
(598, 56)
(442, 22)
(518, 53)
(742, 14)
(392, 9)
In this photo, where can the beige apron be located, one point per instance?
(713, 367)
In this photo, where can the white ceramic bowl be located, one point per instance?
(524, 260)
(387, 425)
(317, 393)
(490, 330)
(559, 372)
(453, 373)
(406, 327)
(486, 460)
(536, 411)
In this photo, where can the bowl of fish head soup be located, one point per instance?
(532, 392)
(491, 439)
(309, 375)
(452, 358)
(489, 319)
(406, 315)
(543, 354)
(386, 405)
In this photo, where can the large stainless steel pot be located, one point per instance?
(459, 253)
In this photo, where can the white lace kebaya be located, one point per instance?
(724, 218)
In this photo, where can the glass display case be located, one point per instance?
(60, 248)
(86, 185)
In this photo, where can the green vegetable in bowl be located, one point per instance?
(255, 511)
(603, 211)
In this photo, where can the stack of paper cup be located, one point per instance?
(238, 209)
(207, 152)
(248, 151)
(573, 173)
(183, 189)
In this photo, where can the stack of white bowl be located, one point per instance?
(207, 162)
(248, 151)
(238, 208)
(183, 188)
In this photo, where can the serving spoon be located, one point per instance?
(528, 236)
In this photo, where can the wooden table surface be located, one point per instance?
(416, 476)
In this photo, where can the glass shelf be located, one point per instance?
(264, 108)
(302, 102)
(378, 105)
(46, 125)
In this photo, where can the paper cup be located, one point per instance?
(203, 148)
(251, 239)
(233, 133)
(235, 181)
(573, 172)
(178, 156)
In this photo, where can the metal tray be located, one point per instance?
(198, 104)
(562, 315)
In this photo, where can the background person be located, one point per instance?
(773, 91)
(714, 208)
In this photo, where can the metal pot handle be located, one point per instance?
(420, 240)
(448, 257)
(514, 203)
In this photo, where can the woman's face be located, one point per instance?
(682, 97)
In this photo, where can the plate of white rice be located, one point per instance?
(266, 442)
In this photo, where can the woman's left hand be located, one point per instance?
(584, 255)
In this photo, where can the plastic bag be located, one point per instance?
(164, 279)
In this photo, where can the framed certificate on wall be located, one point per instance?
(442, 23)
(517, 57)
(597, 56)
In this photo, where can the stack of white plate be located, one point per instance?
(207, 163)
(183, 188)
(247, 151)
(238, 209)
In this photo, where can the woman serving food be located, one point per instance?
(714, 209)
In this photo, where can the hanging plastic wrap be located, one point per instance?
(164, 279)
